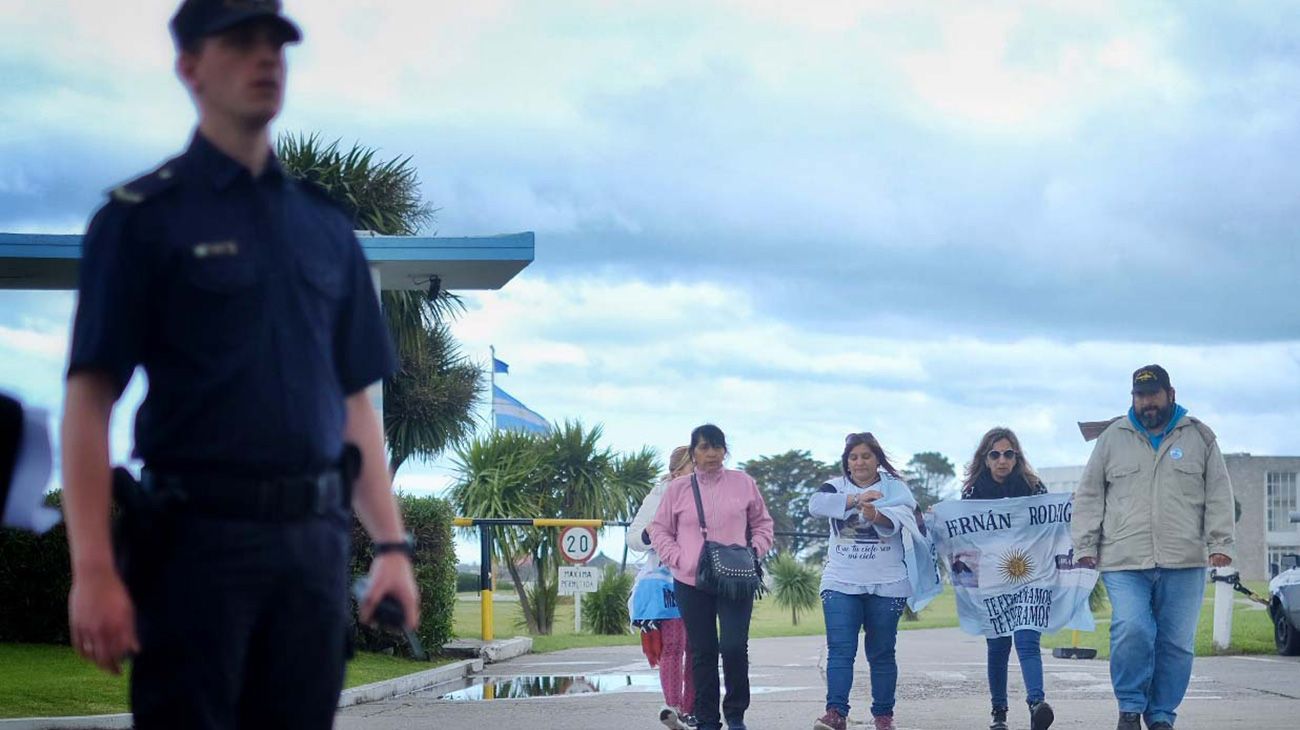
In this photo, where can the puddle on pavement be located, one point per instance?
(553, 685)
(558, 685)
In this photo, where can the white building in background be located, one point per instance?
(1267, 489)
(1064, 479)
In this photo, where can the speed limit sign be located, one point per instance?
(577, 544)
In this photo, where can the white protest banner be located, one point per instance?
(1012, 566)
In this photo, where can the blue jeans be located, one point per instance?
(1152, 637)
(846, 616)
(1031, 666)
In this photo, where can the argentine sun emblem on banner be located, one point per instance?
(1012, 566)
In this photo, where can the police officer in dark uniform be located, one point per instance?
(247, 299)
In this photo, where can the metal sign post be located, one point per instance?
(577, 546)
(485, 524)
(575, 580)
(1222, 631)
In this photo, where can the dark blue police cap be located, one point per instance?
(198, 18)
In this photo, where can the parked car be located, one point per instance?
(1284, 605)
(1284, 609)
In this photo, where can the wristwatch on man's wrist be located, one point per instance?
(405, 546)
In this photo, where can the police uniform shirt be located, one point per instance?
(249, 303)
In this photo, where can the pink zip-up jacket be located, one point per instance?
(732, 503)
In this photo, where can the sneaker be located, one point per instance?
(999, 719)
(1040, 716)
(832, 720)
(884, 722)
(1129, 721)
(669, 717)
(689, 721)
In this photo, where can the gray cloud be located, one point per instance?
(1140, 199)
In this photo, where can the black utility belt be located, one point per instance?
(271, 499)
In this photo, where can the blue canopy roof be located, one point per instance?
(49, 261)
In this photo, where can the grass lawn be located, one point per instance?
(41, 680)
(769, 620)
(1252, 630)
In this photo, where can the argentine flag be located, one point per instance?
(511, 415)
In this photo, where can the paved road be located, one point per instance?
(941, 686)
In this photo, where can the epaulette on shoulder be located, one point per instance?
(1093, 429)
(1205, 431)
(146, 186)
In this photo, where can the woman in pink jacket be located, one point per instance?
(735, 514)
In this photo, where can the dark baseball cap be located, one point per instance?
(1150, 379)
(195, 19)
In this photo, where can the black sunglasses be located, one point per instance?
(864, 435)
(995, 455)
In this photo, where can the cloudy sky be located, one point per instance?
(921, 219)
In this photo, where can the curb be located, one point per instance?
(84, 722)
(406, 684)
(373, 692)
(490, 651)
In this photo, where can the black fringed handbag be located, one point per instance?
(729, 571)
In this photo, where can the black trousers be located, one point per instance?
(716, 626)
(241, 624)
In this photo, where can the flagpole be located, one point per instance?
(492, 394)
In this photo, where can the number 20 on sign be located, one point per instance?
(577, 544)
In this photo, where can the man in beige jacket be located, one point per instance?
(1154, 506)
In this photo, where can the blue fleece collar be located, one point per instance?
(1157, 438)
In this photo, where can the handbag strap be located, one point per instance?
(699, 506)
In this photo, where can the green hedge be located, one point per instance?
(605, 610)
(467, 582)
(429, 521)
(35, 576)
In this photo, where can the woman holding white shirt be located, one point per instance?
(865, 582)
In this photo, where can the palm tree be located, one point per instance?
(564, 473)
(429, 403)
(794, 585)
(502, 475)
(383, 197)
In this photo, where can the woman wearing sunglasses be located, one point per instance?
(999, 470)
(865, 582)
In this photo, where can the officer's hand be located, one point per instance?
(102, 619)
(391, 575)
(1219, 560)
(1087, 562)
